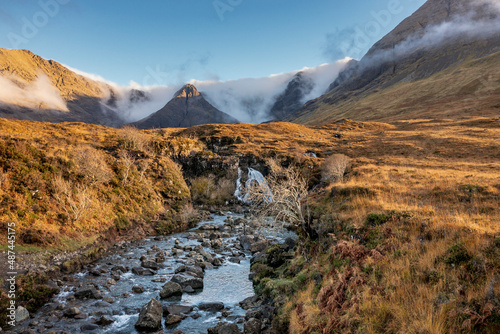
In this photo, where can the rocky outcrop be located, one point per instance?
(293, 96)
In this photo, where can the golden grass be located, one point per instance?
(444, 173)
(63, 182)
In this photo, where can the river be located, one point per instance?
(119, 297)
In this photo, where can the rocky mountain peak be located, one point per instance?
(187, 91)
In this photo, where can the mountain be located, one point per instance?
(37, 89)
(187, 108)
(442, 61)
(292, 98)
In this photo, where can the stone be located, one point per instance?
(160, 280)
(183, 280)
(101, 304)
(235, 259)
(143, 271)
(172, 319)
(105, 321)
(81, 316)
(188, 289)
(150, 264)
(87, 292)
(224, 328)
(249, 302)
(211, 306)
(108, 299)
(95, 272)
(259, 246)
(89, 327)
(253, 313)
(177, 309)
(121, 268)
(253, 326)
(111, 281)
(150, 316)
(246, 241)
(21, 314)
(171, 289)
(138, 288)
(71, 312)
(217, 262)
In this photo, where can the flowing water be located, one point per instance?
(228, 284)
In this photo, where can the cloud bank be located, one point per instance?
(40, 94)
(248, 99)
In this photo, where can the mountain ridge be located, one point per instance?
(402, 59)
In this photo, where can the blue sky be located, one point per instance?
(162, 42)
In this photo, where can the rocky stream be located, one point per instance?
(198, 281)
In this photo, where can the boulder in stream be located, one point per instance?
(143, 271)
(171, 289)
(184, 280)
(177, 309)
(172, 319)
(211, 306)
(150, 316)
(87, 292)
(224, 328)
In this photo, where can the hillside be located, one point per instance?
(44, 90)
(64, 185)
(187, 108)
(428, 66)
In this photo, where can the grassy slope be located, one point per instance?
(423, 197)
(468, 89)
(35, 156)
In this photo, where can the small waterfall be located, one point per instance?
(254, 176)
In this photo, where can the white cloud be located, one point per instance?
(248, 99)
(39, 94)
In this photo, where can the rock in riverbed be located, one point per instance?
(211, 307)
(184, 280)
(224, 328)
(150, 316)
(171, 289)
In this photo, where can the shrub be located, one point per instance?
(457, 254)
(134, 139)
(334, 168)
(376, 219)
(92, 164)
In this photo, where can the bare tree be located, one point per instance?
(334, 168)
(128, 161)
(284, 196)
(76, 201)
(92, 164)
